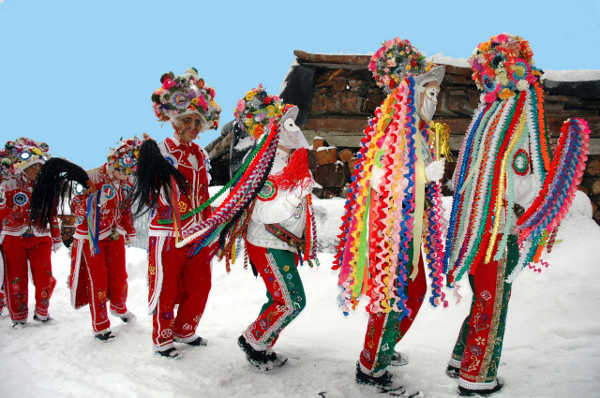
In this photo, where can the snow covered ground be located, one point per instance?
(551, 348)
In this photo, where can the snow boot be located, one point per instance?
(38, 318)
(18, 324)
(170, 353)
(398, 359)
(261, 359)
(383, 384)
(125, 317)
(452, 372)
(465, 392)
(105, 336)
(195, 341)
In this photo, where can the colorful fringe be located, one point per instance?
(241, 195)
(555, 198)
(386, 215)
(484, 180)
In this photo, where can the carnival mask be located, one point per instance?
(429, 102)
(290, 135)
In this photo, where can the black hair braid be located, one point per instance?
(153, 174)
(53, 184)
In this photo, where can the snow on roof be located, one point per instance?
(440, 58)
(572, 75)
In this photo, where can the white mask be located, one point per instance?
(290, 135)
(429, 103)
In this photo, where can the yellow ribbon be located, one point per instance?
(500, 196)
(419, 206)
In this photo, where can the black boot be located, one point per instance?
(398, 359)
(452, 372)
(384, 383)
(42, 320)
(261, 359)
(18, 324)
(198, 341)
(105, 337)
(170, 353)
(465, 392)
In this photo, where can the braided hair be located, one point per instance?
(53, 184)
(153, 173)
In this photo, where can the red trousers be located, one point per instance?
(384, 331)
(107, 277)
(176, 277)
(479, 345)
(17, 252)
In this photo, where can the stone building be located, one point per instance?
(336, 95)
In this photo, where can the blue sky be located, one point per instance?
(79, 74)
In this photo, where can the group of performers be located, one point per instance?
(510, 194)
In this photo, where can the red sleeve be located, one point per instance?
(126, 223)
(78, 205)
(55, 230)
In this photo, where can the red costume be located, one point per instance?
(176, 275)
(23, 242)
(101, 272)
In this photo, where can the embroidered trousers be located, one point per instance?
(18, 251)
(385, 330)
(285, 294)
(183, 279)
(479, 344)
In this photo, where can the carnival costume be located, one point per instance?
(21, 239)
(104, 226)
(172, 180)
(278, 226)
(99, 201)
(498, 226)
(393, 207)
(6, 171)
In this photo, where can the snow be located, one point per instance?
(440, 58)
(572, 75)
(551, 347)
(325, 148)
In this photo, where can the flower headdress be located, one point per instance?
(184, 94)
(124, 157)
(502, 66)
(395, 60)
(22, 153)
(256, 109)
(6, 164)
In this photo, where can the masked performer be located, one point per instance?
(498, 225)
(172, 180)
(279, 227)
(393, 208)
(23, 241)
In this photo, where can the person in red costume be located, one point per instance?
(172, 180)
(21, 240)
(98, 269)
(5, 172)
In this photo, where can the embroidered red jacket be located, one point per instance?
(191, 161)
(15, 200)
(114, 214)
